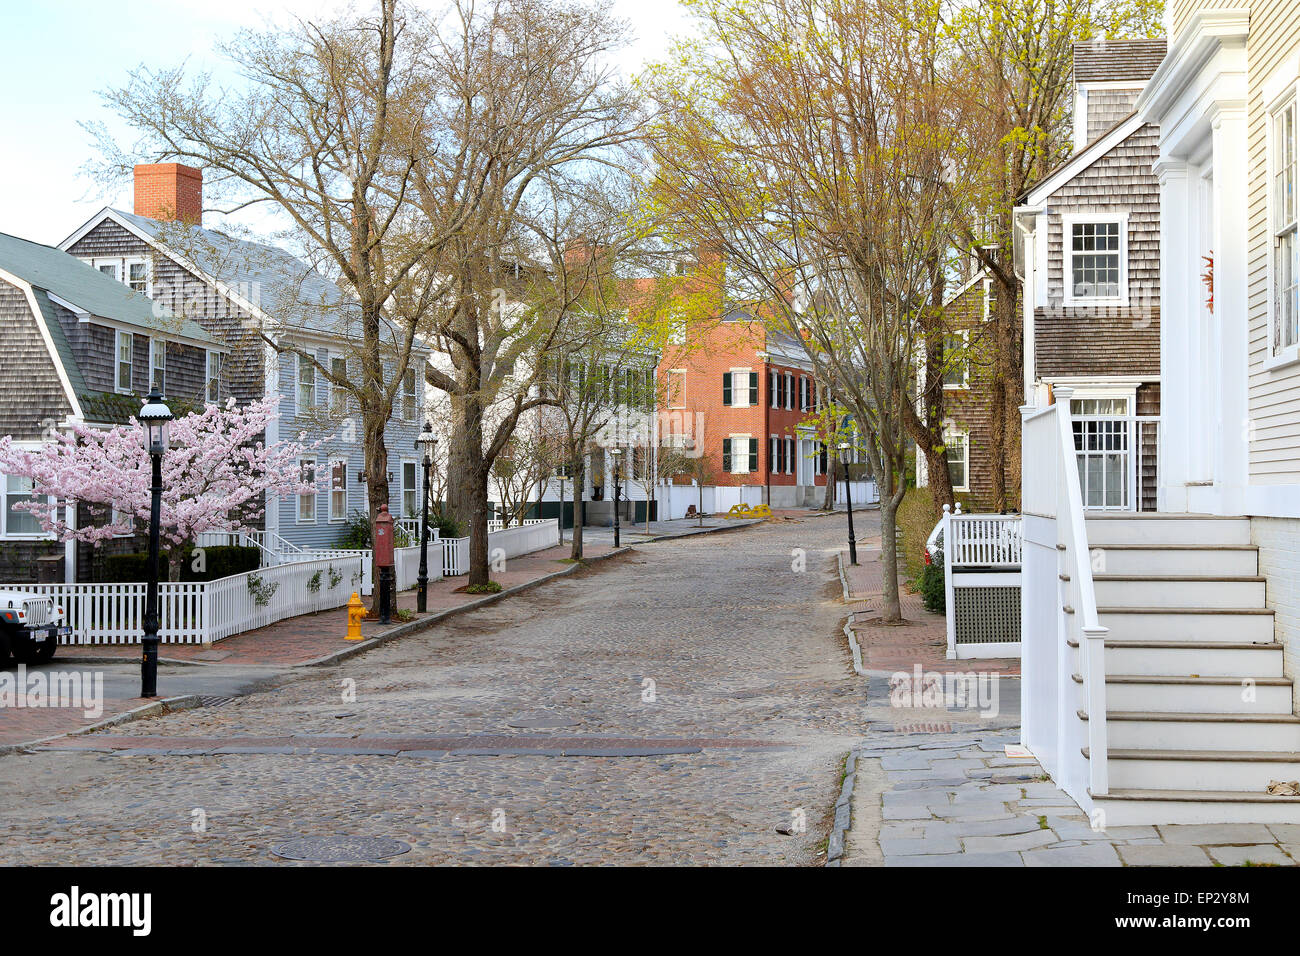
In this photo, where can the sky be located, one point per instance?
(56, 55)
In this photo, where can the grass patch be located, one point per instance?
(1042, 823)
(492, 587)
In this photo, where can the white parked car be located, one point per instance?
(30, 627)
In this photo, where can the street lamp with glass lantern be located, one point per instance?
(848, 501)
(618, 477)
(427, 443)
(153, 418)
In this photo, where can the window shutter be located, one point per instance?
(726, 453)
(753, 391)
(753, 455)
(726, 388)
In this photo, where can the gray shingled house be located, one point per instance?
(1089, 238)
(80, 345)
(272, 310)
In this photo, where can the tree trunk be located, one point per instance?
(891, 609)
(832, 463)
(579, 482)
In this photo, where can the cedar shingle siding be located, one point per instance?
(970, 408)
(1101, 61)
(1108, 107)
(1123, 340)
(30, 392)
(187, 294)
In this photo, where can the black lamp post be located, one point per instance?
(153, 418)
(848, 502)
(425, 442)
(618, 476)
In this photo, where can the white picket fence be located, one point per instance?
(199, 612)
(535, 534)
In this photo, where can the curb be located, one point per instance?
(854, 647)
(843, 812)
(155, 708)
(749, 523)
(424, 623)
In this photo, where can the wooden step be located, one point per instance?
(1125, 806)
(1224, 770)
(1214, 560)
(1192, 658)
(1179, 591)
(1147, 730)
(1227, 624)
(1126, 527)
(1189, 695)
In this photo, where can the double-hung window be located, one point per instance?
(1285, 262)
(408, 395)
(789, 456)
(1096, 259)
(216, 360)
(307, 502)
(338, 393)
(158, 365)
(125, 360)
(957, 450)
(410, 490)
(739, 388)
(137, 275)
(773, 389)
(956, 360)
(19, 523)
(338, 489)
(306, 383)
(740, 455)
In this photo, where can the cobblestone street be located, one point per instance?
(679, 704)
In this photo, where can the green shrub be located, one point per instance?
(932, 586)
(220, 561)
(356, 534)
(916, 521)
(492, 587)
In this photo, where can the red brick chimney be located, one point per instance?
(169, 191)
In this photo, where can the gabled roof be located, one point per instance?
(84, 289)
(1109, 61)
(1081, 160)
(265, 280)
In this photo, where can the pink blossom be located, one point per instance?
(214, 473)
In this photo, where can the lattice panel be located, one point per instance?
(986, 615)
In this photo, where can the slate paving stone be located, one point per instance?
(911, 846)
(958, 860)
(964, 828)
(1094, 854)
(906, 813)
(1216, 834)
(1164, 855)
(1285, 832)
(1265, 854)
(1010, 843)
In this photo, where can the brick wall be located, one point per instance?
(1278, 540)
(169, 191)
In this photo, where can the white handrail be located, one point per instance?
(1078, 590)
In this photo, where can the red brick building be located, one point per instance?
(747, 398)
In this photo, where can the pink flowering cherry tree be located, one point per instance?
(215, 474)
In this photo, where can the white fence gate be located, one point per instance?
(981, 565)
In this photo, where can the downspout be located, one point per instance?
(1024, 262)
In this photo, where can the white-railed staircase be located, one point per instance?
(1199, 715)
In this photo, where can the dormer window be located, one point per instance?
(1095, 259)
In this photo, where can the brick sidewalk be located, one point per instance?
(922, 640)
(297, 640)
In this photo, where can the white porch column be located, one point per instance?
(1176, 308)
(1231, 174)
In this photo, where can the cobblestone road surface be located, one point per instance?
(741, 649)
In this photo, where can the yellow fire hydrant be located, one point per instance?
(356, 611)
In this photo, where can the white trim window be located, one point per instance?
(740, 388)
(338, 393)
(216, 364)
(789, 455)
(1284, 298)
(410, 489)
(125, 362)
(306, 378)
(739, 455)
(137, 275)
(19, 524)
(409, 408)
(676, 388)
(789, 391)
(774, 389)
(307, 502)
(1095, 258)
(158, 365)
(338, 489)
(956, 448)
(956, 359)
